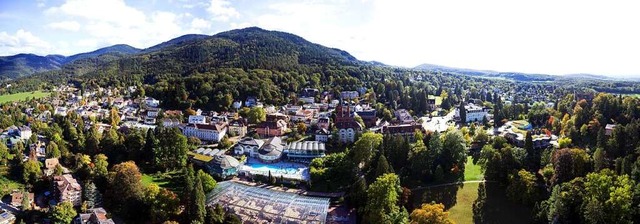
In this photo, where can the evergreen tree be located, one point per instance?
(52, 150)
(91, 195)
(187, 190)
(198, 210)
(26, 205)
(215, 215)
(382, 167)
(463, 113)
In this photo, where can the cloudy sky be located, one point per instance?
(544, 36)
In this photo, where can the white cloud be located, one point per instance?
(65, 25)
(198, 23)
(111, 22)
(222, 10)
(108, 11)
(22, 41)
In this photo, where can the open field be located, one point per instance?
(22, 96)
(462, 211)
(472, 171)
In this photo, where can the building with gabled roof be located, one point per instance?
(206, 132)
(93, 216)
(67, 188)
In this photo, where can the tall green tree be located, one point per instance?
(171, 151)
(363, 148)
(52, 150)
(125, 198)
(198, 210)
(100, 165)
(382, 167)
(63, 213)
(215, 215)
(382, 205)
(208, 183)
(31, 171)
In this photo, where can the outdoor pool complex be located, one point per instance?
(285, 169)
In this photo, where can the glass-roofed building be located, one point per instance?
(306, 150)
(262, 205)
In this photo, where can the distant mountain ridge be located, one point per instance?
(517, 76)
(21, 65)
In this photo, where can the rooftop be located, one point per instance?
(255, 204)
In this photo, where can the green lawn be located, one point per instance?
(458, 200)
(22, 96)
(170, 180)
(472, 171)
(462, 211)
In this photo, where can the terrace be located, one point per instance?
(260, 205)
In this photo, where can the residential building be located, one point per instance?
(93, 216)
(153, 112)
(324, 123)
(17, 196)
(309, 92)
(404, 117)
(238, 127)
(151, 102)
(6, 217)
(275, 125)
(50, 166)
(405, 130)
(173, 113)
(197, 119)
(171, 122)
(368, 117)
(67, 188)
(150, 120)
(22, 132)
(349, 95)
(323, 135)
(205, 132)
(608, 129)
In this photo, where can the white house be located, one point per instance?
(323, 135)
(248, 146)
(205, 132)
(153, 112)
(197, 119)
(474, 113)
(151, 102)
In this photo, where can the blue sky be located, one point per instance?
(545, 36)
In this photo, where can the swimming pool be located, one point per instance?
(285, 169)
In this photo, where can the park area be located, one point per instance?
(22, 96)
(458, 199)
(169, 180)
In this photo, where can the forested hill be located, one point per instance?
(202, 71)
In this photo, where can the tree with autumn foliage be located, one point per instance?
(430, 214)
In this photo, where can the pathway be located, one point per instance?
(452, 183)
